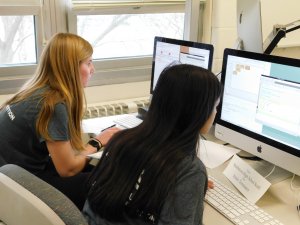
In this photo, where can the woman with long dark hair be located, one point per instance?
(150, 174)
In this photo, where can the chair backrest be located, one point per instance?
(26, 199)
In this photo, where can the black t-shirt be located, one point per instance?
(19, 141)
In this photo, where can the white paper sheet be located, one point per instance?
(95, 125)
(213, 154)
(96, 155)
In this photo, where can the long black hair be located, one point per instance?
(139, 165)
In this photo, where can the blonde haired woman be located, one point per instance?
(40, 126)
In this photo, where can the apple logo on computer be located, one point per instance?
(259, 148)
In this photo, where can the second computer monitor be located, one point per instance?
(249, 27)
(167, 51)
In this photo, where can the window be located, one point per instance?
(20, 42)
(122, 34)
(128, 35)
(17, 40)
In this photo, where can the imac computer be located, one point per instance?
(260, 107)
(249, 26)
(167, 51)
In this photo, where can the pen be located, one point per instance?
(108, 127)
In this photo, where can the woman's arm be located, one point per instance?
(67, 161)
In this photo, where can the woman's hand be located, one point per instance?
(105, 136)
(210, 184)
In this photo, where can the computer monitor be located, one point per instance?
(249, 27)
(260, 107)
(167, 51)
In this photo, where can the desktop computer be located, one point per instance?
(260, 108)
(165, 52)
(249, 26)
(259, 112)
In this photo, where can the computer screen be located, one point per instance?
(249, 27)
(260, 107)
(167, 51)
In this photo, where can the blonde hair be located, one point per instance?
(59, 70)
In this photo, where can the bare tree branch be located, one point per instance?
(116, 21)
(11, 26)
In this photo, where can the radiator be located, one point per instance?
(115, 107)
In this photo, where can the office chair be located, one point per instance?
(26, 199)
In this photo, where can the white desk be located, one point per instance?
(279, 200)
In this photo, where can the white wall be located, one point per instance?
(116, 92)
(281, 12)
(223, 32)
(223, 29)
(3, 98)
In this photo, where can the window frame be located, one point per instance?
(51, 16)
(121, 70)
(12, 77)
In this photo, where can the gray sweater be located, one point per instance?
(184, 206)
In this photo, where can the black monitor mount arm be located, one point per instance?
(279, 32)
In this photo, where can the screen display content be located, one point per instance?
(260, 108)
(167, 51)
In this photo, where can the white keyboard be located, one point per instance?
(235, 207)
(128, 121)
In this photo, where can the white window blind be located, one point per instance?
(20, 7)
(100, 4)
(20, 2)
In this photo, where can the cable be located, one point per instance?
(270, 172)
(201, 136)
(218, 74)
(293, 188)
(296, 189)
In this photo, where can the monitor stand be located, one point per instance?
(238, 45)
(264, 168)
(142, 111)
